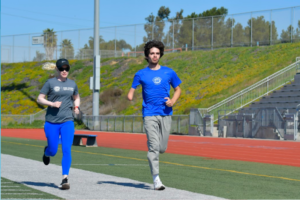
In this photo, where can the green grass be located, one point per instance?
(196, 174)
(208, 76)
(15, 190)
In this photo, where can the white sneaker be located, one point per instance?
(158, 185)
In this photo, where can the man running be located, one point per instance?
(62, 98)
(157, 105)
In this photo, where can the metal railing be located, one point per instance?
(254, 92)
(131, 123)
(257, 28)
(266, 123)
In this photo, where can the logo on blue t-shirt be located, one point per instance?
(156, 80)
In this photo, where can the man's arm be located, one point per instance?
(171, 102)
(130, 94)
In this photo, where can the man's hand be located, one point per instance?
(169, 102)
(56, 104)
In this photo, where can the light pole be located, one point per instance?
(96, 73)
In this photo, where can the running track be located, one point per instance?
(253, 150)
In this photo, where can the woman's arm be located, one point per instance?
(41, 100)
(76, 103)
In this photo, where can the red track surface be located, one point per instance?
(264, 151)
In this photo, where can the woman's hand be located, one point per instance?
(56, 104)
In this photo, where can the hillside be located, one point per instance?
(208, 77)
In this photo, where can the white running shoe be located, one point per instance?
(158, 185)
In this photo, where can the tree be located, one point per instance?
(88, 50)
(50, 40)
(203, 29)
(176, 23)
(239, 36)
(296, 35)
(39, 56)
(67, 49)
(285, 36)
(212, 12)
(260, 31)
(154, 26)
(163, 13)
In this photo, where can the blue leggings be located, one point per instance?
(66, 131)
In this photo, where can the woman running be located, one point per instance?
(62, 98)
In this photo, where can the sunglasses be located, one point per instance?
(62, 69)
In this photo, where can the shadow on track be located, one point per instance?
(40, 184)
(135, 185)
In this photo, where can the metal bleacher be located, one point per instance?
(288, 97)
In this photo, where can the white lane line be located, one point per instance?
(3, 193)
(8, 190)
(8, 186)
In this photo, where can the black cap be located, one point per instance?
(61, 62)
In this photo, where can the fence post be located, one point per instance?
(251, 30)
(79, 40)
(232, 31)
(178, 125)
(292, 24)
(271, 28)
(193, 35)
(268, 86)
(115, 41)
(241, 99)
(115, 124)
(13, 54)
(132, 124)
(142, 125)
(152, 30)
(135, 40)
(107, 128)
(100, 124)
(124, 123)
(29, 48)
(212, 32)
(173, 34)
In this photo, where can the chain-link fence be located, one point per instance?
(131, 124)
(238, 30)
(22, 119)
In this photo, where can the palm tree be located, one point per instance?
(67, 49)
(50, 40)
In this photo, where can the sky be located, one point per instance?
(24, 20)
(33, 16)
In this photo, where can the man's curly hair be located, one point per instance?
(153, 43)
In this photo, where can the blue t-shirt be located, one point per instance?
(156, 86)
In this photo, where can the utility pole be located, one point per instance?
(96, 73)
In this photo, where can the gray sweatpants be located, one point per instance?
(158, 131)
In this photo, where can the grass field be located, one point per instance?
(223, 178)
(13, 190)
